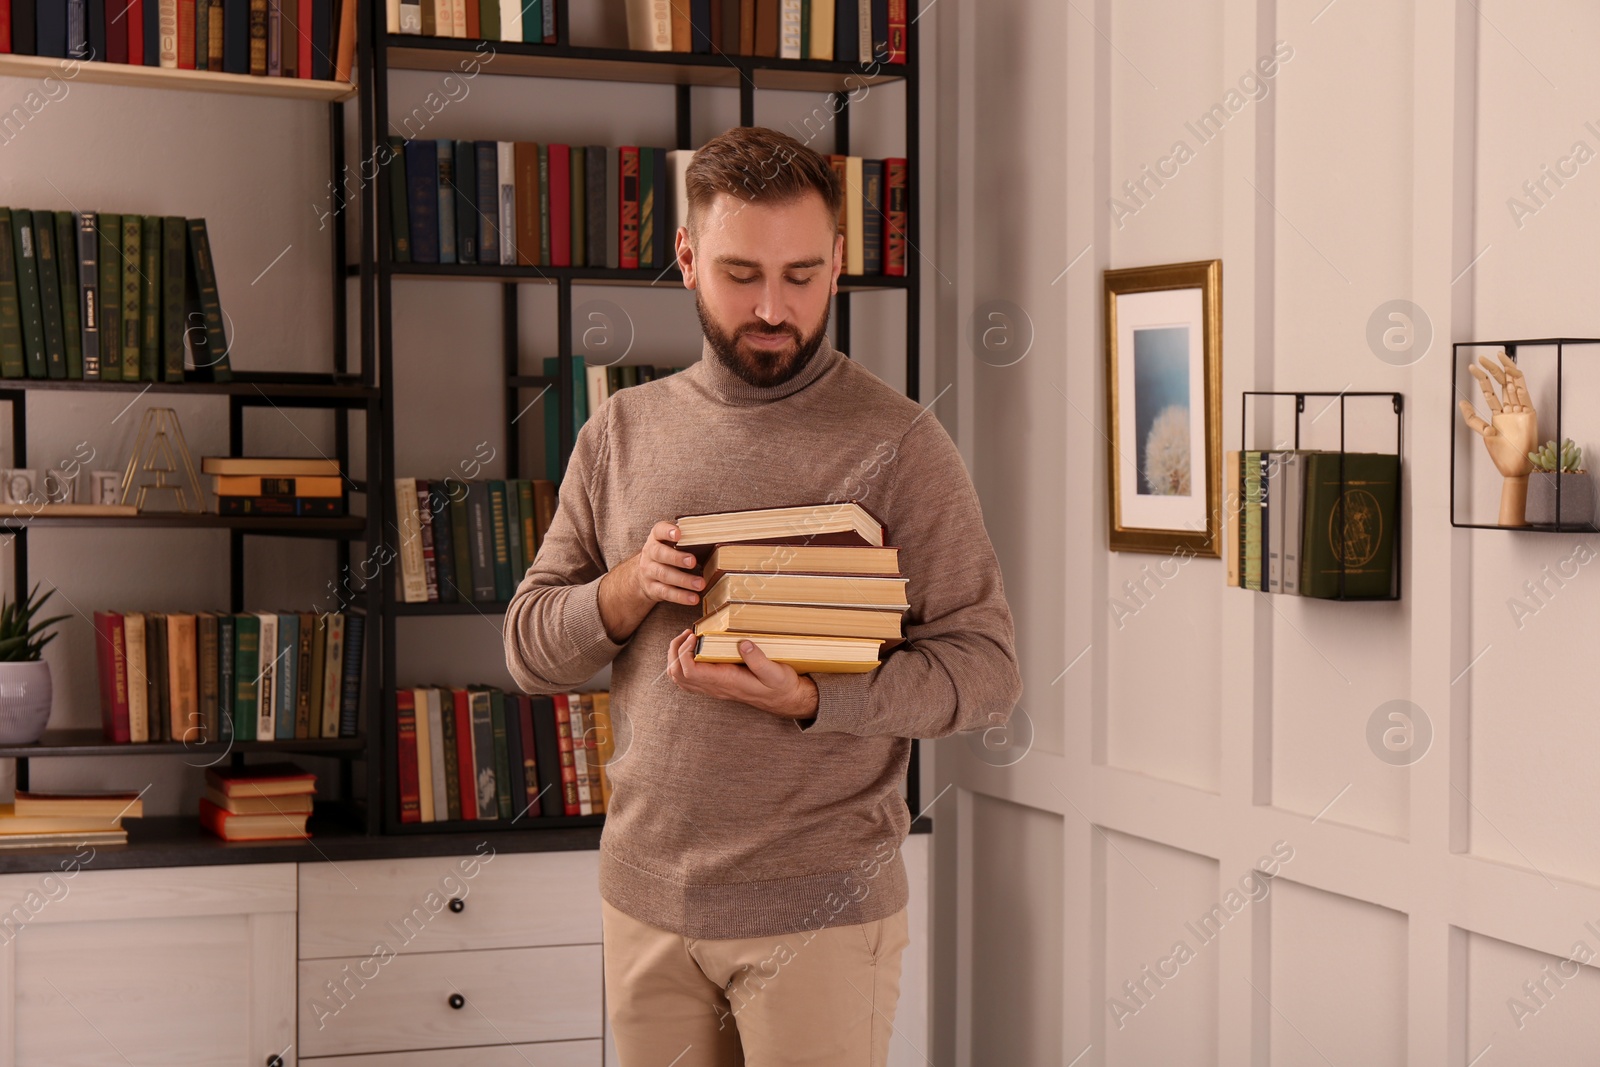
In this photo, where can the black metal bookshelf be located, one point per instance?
(344, 391)
(381, 52)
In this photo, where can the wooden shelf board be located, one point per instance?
(92, 742)
(204, 81)
(513, 58)
(293, 526)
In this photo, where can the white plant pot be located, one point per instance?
(25, 694)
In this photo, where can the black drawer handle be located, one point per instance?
(274, 1060)
(458, 905)
(457, 1001)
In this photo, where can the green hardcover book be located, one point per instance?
(530, 540)
(150, 334)
(55, 344)
(174, 261)
(519, 562)
(226, 658)
(447, 731)
(488, 23)
(500, 543)
(210, 345)
(460, 546)
(805, 29)
(1350, 534)
(108, 281)
(580, 215)
(533, 21)
(67, 273)
(246, 673)
(27, 257)
(647, 208)
(552, 417)
(132, 295)
(1250, 564)
(502, 755)
(399, 199)
(544, 202)
(13, 362)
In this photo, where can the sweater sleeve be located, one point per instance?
(957, 669)
(555, 639)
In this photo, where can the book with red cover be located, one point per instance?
(628, 207)
(530, 767)
(261, 780)
(116, 31)
(465, 768)
(405, 710)
(560, 205)
(525, 164)
(186, 34)
(569, 769)
(303, 60)
(135, 30)
(232, 827)
(897, 31)
(896, 175)
(112, 660)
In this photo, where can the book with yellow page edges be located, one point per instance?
(814, 586)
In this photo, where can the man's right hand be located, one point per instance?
(660, 571)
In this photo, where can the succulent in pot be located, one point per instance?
(25, 686)
(1577, 487)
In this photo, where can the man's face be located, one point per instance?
(763, 275)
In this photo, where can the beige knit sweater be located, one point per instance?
(726, 821)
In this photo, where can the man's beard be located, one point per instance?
(762, 370)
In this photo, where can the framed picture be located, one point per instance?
(1164, 398)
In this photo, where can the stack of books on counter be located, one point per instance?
(266, 802)
(37, 819)
(276, 485)
(814, 586)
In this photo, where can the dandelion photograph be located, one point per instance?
(1163, 334)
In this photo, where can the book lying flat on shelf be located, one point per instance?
(108, 805)
(265, 802)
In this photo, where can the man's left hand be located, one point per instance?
(775, 688)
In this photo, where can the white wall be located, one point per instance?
(1172, 750)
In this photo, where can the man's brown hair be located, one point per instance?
(758, 165)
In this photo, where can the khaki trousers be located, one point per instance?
(822, 998)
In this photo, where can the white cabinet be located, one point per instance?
(399, 957)
(168, 965)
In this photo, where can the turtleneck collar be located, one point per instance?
(732, 389)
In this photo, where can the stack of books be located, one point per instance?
(1297, 530)
(37, 819)
(286, 39)
(210, 676)
(476, 752)
(276, 485)
(268, 802)
(528, 21)
(814, 586)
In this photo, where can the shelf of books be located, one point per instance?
(1317, 523)
(303, 49)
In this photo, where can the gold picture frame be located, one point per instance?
(1163, 364)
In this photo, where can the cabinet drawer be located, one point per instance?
(544, 1054)
(394, 1003)
(507, 900)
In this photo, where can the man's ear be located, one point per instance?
(684, 252)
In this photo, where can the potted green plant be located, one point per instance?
(25, 687)
(1577, 488)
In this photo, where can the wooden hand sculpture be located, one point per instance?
(1513, 434)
